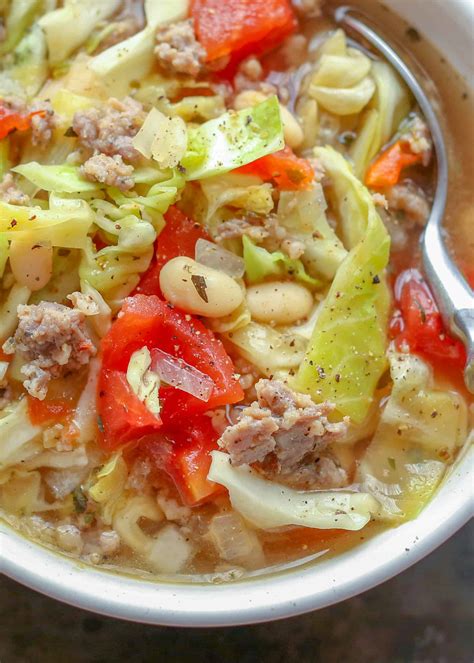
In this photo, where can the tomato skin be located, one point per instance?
(149, 321)
(284, 168)
(178, 238)
(239, 28)
(183, 453)
(190, 461)
(422, 329)
(123, 417)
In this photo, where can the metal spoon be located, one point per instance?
(453, 295)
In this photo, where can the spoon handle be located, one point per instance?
(454, 297)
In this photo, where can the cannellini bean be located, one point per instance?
(293, 133)
(279, 302)
(199, 289)
(31, 264)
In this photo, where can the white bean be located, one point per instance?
(292, 130)
(278, 302)
(199, 289)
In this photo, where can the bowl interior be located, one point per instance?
(296, 590)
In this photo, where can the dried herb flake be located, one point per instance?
(199, 282)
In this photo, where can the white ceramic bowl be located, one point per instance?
(449, 24)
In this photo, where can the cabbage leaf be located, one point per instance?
(109, 485)
(421, 428)
(65, 224)
(260, 265)
(69, 26)
(132, 59)
(18, 435)
(19, 18)
(61, 179)
(389, 105)
(303, 214)
(234, 139)
(267, 348)
(244, 192)
(346, 355)
(266, 504)
(25, 73)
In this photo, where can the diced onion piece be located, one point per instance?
(234, 541)
(163, 138)
(181, 375)
(212, 255)
(31, 264)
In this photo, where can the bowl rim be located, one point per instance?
(278, 595)
(263, 598)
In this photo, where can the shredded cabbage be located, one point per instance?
(25, 73)
(233, 139)
(20, 16)
(19, 436)
(109, 485)
(144, 382)
(303, 214)
(267, 504)
(268, 349)
(61, 179)
(132, 59)
(68, 27)
(65, 224)
(421, 429)
(346, 355)
(260, 265)
(390, 104)
(243, 192)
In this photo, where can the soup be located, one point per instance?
(219, 353)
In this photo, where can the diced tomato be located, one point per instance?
(421, 327)
(190, 461)
(10, 120)
(386, 169)
(4, 356)
(148, 321)
(49, 411)
(239, 28)
(122, 416)
(178, 238)
(182, 452)
(284, 168)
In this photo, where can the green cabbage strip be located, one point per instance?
(65, 224)
(19, 19)
(61, 179)
(132, 59)
(233, 140)
(69, 27)
(303, 214)
(260, 265)
(420, 430)
(26, 69)
(346, 355)
(267, 504)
